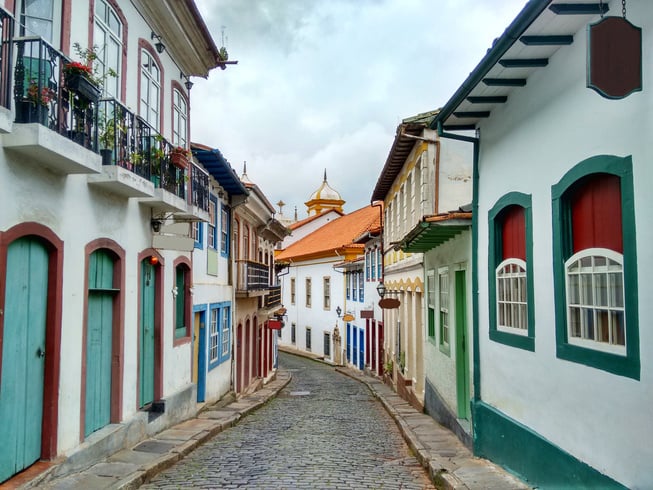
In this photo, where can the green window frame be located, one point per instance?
(444, 309)
(430, 303)
(627, 365)
(495, 247)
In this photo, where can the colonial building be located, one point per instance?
(441, 236)
(561, 211)
(213, 285)
(256, 233)
(403, 187)
(95, 302)
(314, 287)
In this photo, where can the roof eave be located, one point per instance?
(524, 19)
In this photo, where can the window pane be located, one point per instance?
(617, 290)
(574, 322)
(601, 290)
(586, 289)
(617, 320)
(602, 327)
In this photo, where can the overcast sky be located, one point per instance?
(323, 84)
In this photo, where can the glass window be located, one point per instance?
(308, 292)
(214, 335)
(443, 296)
(293, 286)
(179, 119)
(150, 90)
(226, 333)
(431, 302)
(224, 231)
(107, 37)
(212, 224)
(327, 293)
(36, 18)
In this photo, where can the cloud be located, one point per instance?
(324, 84)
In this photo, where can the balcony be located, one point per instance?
(273, 298)
(60, 122)
(253, 279)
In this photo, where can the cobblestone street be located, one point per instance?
(324, 430)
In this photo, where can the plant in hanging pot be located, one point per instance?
(79, 79)
(180, 156)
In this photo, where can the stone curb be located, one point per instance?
(145, 472)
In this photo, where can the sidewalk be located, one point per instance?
(130, 468)
(449, 463)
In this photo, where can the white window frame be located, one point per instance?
(578, 297)
(309, 294)
(150, 100)
(326, 281)
(511, 279)
(444, 302)
(107, 39)
(226, 331)
(214, 335)
(180, 119)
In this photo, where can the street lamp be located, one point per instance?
(338, 311)
(381, 289)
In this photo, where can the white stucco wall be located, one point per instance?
(317, 317)
(440, 368)
(78, 214)
(527, 145)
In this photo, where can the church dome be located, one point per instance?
(325, 197)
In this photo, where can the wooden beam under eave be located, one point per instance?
(524, 62)
(491, 99)
(471, 114)
(579, 8)
(504, 82)
(561, 40)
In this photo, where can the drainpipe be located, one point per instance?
(475, 322)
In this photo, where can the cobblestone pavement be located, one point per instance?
(323, 431)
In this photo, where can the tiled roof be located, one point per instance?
(333, 236)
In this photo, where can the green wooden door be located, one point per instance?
(148, 288)
(23, 356)
(98, 341)
(462, 347)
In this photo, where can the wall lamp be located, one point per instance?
(188, 84)
(381, 289)
(159, 46)
(338, 311)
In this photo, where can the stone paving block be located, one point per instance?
(135, 457)
(177, 434)
(85, 481)
(151, 446)
(114, 469)
(197, 424)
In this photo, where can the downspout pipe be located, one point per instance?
(475, 322)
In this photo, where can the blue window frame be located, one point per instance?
(361, 287)
(373, 264)
(197, 233)
(367, 265)
(379, 264)
(219, 333)
(354, 286)
(348, 275)
(212, 226)
(225, 220)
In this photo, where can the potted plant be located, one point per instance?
(79, 79)
(34, 107)
(180, 157)
(111, 131)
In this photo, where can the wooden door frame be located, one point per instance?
(158, 323)
(117, 331)
(51, 375)
(462, 351)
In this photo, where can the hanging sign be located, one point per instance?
(348, 318)
(389, 303)
(614, 59)
(275, 324)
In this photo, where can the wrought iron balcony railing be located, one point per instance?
(43, 95)
(199, 187)
(6, 50)
(273, 298)
(252, 276)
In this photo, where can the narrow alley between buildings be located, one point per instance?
(323, 430)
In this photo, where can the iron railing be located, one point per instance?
(273, 298)
(42, 96)
(6, 52)
(252, 276)
(199, 187)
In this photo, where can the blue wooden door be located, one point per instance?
(361, 348)
(354, 346)
(148, 289)
(348, 349)
(23, 356)
(98, 341)
(200, 332)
